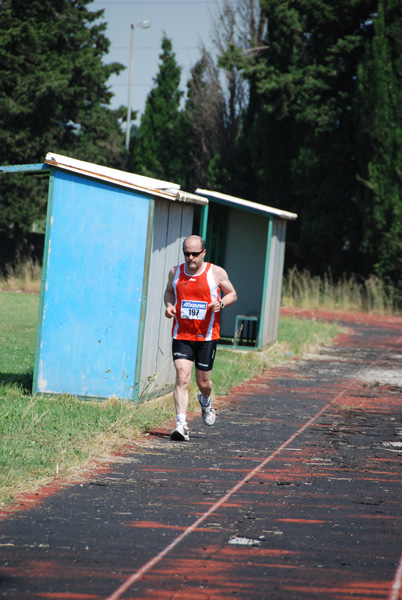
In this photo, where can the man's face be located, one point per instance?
(193, 254)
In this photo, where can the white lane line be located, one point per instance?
(396, 585)
(145, 568)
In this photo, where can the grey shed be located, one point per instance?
(248, 240)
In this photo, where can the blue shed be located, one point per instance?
(248, 240)
(111, 237)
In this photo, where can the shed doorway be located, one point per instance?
(236, 241)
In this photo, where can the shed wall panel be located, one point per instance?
(92, 298)
(164, 367)
(172, 224)
(274, 286)
(153, 315)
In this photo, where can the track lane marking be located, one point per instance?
(396, 584)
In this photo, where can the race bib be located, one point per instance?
(193, 309)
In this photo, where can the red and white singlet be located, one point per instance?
(194, 320)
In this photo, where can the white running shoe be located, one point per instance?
(181, 433)
(208, 413)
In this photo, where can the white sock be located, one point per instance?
(181, 419)
(205, 402)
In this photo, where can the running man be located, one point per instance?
(193, 297)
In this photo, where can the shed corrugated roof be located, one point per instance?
(247, 205)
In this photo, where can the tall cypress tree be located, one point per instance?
(156, 151)
(379, 117)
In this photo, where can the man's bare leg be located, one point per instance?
(180, 395)
(203, 379)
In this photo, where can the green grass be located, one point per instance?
(45, 437)
(41, 438)
(18, 325)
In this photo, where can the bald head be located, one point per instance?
(194, 239)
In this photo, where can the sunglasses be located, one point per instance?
(195, 254)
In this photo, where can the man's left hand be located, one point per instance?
(215, 306)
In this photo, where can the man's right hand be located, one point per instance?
(170, 311)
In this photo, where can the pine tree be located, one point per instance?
(157, 148)
(53, 97)
(301, 139)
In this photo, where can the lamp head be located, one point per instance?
(142, 24)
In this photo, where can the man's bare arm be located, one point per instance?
(169, 297)
(223, 281)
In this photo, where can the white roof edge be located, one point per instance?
(156, 187)
(141, 180)
(241, 202)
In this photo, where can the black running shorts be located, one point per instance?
(202, 353)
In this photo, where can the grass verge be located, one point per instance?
(302, 290)
(43, 438)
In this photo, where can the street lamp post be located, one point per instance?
(143, 25)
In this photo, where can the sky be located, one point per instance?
(185, 22)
